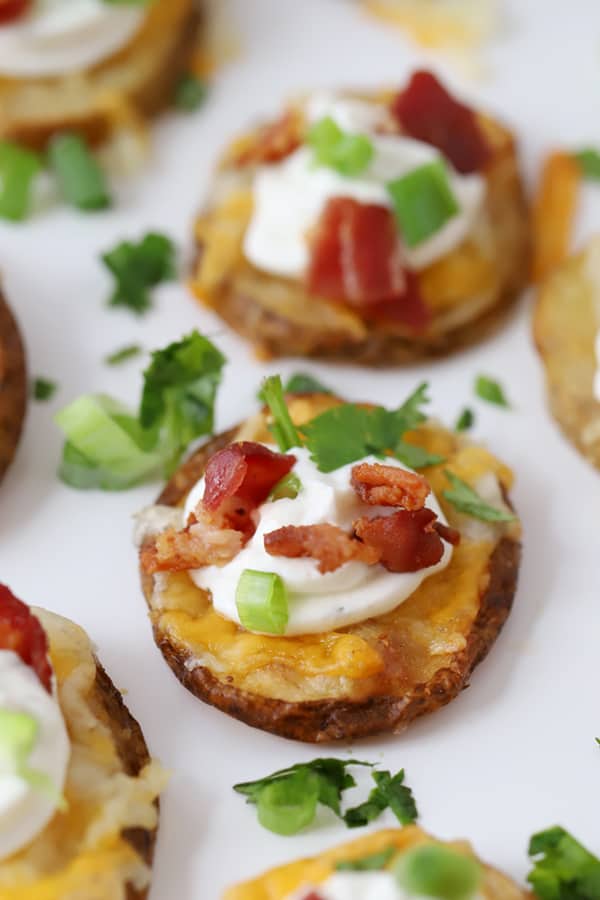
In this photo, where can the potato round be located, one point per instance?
(371, 677)
(468, 291)
(279, 883)
(566, 321)
(13, 385)
(143, 74)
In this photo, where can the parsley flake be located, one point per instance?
(465, 421)
(491, 391)
(390, 791)
(43, 389)
(589, 162)
(466, 500)
(563, 868)
(123, 355)
(139, 267)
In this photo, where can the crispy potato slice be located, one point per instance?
(371, 677)
(13, 385)
(279, 883)
(553, 213)
(566, 321)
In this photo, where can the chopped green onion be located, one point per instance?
(466, 500)
(465, 420)
(43, 389)
(138, 267)
(348, 154)
(190, 93)
(283, 429)
(422, 202)
(18, 734)
(290, 804)
(122, 355)
(261, 601)
(432, 870)
(80, 177)
(18, 168)
(589, 162)
(288, 488)
(372, 863)
(490, 390)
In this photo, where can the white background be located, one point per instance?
(516, 752)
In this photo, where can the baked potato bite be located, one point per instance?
(93, 69)
(13, 385)
(374, 227)
(566, 325)
(388, 614)
(419, 859)
(78, 790)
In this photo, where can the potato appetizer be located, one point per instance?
(393, 864)
(318, 589)
(566, 330)
(375, 227)
(78, 791)
(91, 66)
(13, 385)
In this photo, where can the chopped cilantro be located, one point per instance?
(372, 863)
(43, 389)
(303, 383)
(466, 500)
(465, 421)
(390, 791)
(416, 457)
(563, 869)
(490, 391)
(589, 162)
(139, 267)
(122, 355)
(190, 93)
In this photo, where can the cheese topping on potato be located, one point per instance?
(60, 36)
(357, 886)
(290, 196)
(318, 601)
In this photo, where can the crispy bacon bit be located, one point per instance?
(450, 535)
(406, 541)
(328, 544)
(198, 544)
(273, 142)
(21, 632)
(313, 896)
(12, 9)
(245, 470)
(427, 112)
(380, 485)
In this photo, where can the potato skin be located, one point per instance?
(240, 298)
(565, 322)
(149, 70)
(316, 721)
(13, 385)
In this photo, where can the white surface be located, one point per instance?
(515, 752)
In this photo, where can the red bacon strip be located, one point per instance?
(328, 544)
(246, 471)
(380, 485)
(406, 541)
(198, 544)
(12, 9)
(427, 112)
(450, 535)
(21, 632)
(274, 142)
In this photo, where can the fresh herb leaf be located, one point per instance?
(139, 267)
(81, 179)
(122, 355)
(190, 93)
(283, 429)
(390, 791)
(563, 868)
(597, 741)
(589, 162)
(466, 500)
(43, 389)
(349, 154)
(490, 391)
(367, 811)
(465, 420)
(416, 457)
(303, 383)
(372, 863)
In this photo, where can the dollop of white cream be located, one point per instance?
(317, 602)
(359, 886)
(60, 36)
(24, 812)
(290, 196)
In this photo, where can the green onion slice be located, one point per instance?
(190, 93)
(349, 154)
(290, 804)
(261, 601)
(432, 870)
(18, 168)
(288, 488)
(283, 429)
(422, 202)
(80, 177)
(18, 734)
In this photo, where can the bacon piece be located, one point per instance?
(380, 485)
(21, 632)
(406, 541)
(313, 895)
(12, 9)
(273, 142)
(246, 471)
(427, 112)
(328, 544)
(198, 544)
(410, 309)
(450, 535)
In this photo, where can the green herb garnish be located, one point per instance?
(422, 202)
(261, 602)
(139, 267)
(465, 421)
(303, 383)
(123, 355)
(283, 429)
(372, 863)
(43, 389)
(288, 488)
(466, 500)
(490, 391)
(349, 154)
(79, 176)
(432, 870)
(18, 735)
(390, 791)
(589, 162)
(190, 93)
(563, 869)
(18, 168)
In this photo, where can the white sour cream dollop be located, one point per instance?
(317, 602)
(359, 886)
(24, 812)
(60, 36)
(290, 196)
